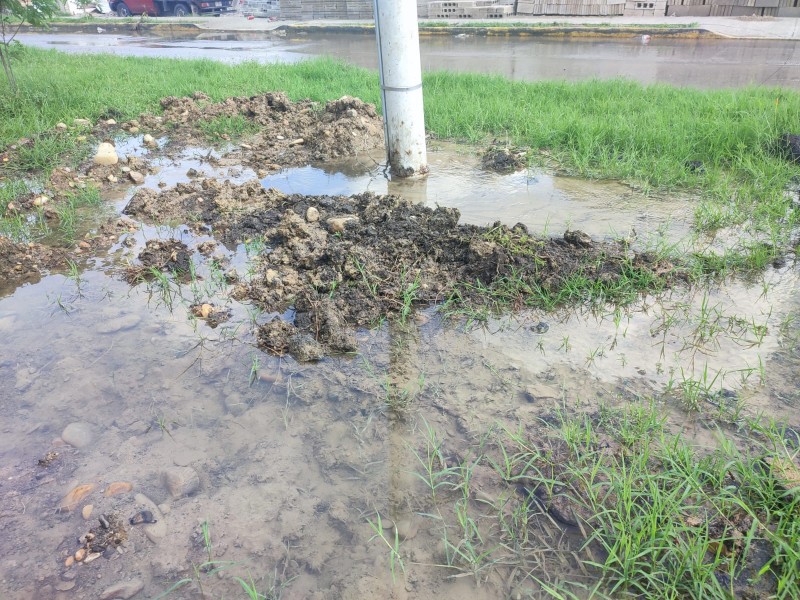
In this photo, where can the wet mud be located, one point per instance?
(246, 383)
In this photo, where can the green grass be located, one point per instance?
(654, 517)
(643, 135)
(227, 128)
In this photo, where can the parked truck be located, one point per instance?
(178, 8)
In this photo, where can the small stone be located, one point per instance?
(133, 130)
(277, 137)
(82, 122)
(148, 140)
(74, 496)
(86, 513)
(119, 324)
(338, 224)
(69, 562)
(126, 169)
(84, 245)
(118, 487)
(61, 126)
(92, 557)
(297, 142)
(65, 586)
(246, 146)
(40, 200)
(78, 435)
(262, 173)
(122, 590)
(312, 215)
(80, 554)
(158, 529)
(180, 482)
(136, 177)
(205, 310)
(111, 122)
(112, 178)
(106, 154)
(134, 123)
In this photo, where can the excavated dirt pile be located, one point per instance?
(289, 133)
(346, 262)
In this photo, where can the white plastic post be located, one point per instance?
(397, 35)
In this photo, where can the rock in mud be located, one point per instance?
(71, 500)
(504, 159)
(136, 177)
(86, 512)
(156, 529)
(106, 155)
(180, 481)
(339, 224)
(118, 487)
(78, 435)
(312, 215)
(123, 590)
(119, 324)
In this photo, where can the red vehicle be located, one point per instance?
(178, 8)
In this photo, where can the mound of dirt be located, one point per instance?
(346, 262)
(504, 159)
(24, 263)
(289, 133)
(167, 256)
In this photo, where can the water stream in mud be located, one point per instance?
(274, 469)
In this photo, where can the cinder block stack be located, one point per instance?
(601, 8)
(733, 8)
(469, 9)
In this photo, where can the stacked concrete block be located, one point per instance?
(645, 8)
(469, 9)
(599, 8)
(732, 8)
(326, 9)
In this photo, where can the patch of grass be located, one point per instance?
(650, 515)
(227, 128)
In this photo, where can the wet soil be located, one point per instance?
(24, 263)
(345, 262)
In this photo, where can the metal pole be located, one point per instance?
(397, 35)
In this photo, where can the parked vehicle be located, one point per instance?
(178, 8)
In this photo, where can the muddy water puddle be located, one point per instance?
(304, 476)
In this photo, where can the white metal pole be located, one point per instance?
(397, 35)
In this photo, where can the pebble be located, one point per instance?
(136, 177)
(154, 531)
(119, 324)
(78, 435)
(86, 513)
(122, 590)
(312, 215)
(148, 140)
(74, 496)
(61, 126)
(112, 179)
(180, 481)
(69, 562)
(118, 487)
(80, 554)
(338, 224)
(111, 122)
(106, 154)
(133, 130)
(540, 327)
(92, 557)
(65, 586)
(40, 200)
(82, 122)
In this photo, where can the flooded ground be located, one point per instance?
(180, 456)
(697, 63)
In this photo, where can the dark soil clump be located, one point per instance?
(504, 159)
(789, 146)
(347, 262)
(24, 263)
(168, 256)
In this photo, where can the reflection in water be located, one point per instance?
(686, 62)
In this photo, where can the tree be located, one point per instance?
(13, 14)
